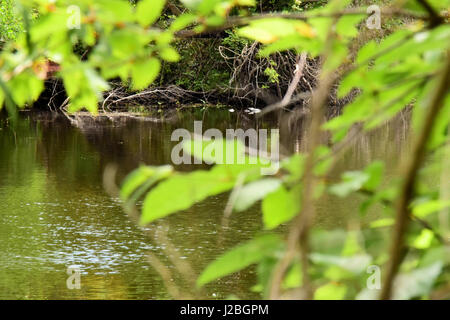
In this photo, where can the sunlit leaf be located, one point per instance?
(169, 54)
(139, 176)
(184, 190)
(241, 257)
(424, 239)
(148, 11)
(145, 72)
(426, 208)
(183, 21)
(293, 278)
(255, 191)
(381, 223)
(280, 206)
(331, 291)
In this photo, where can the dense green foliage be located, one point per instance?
(409, 68)
(10, 24)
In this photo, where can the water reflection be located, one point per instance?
(54, 212)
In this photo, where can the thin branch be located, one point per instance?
(165, 274)
(299, 232)
(435, 18)
(234, 22)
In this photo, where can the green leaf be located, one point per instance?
(191, 4)
(2, 99)
(241, 257)
(148, 11)
(169, 54)
(207, 7)
(293, 278)
(261, 35)
(145, 72)
(286, 43)
(424, 239)
(381, 223)
(139, 176)
(246, 3)
(84, 86)
(375, 172)
(281, 206)
(439, 133)
(112, 11)
(369, 179)
(44, 27)
(181, 191)
(272, 29)
(422, 210)
(352, 181)
(347, 25)
(294, 165)
(25, 88)
(203, 7)
(366, 52)
(331, 291)
(255, 191)
(182, 22)
(355, 264)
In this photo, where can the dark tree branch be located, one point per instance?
(436, 19)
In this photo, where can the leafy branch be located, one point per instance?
(411, 172)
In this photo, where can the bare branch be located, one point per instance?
(298, 74)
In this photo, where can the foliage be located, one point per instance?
(403, 69)
(124, 44)
(10, 24)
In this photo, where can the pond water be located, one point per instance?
(54, 211)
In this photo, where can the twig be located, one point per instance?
(299, 232)
(183, 267)
(435, 18)
(165, 274)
